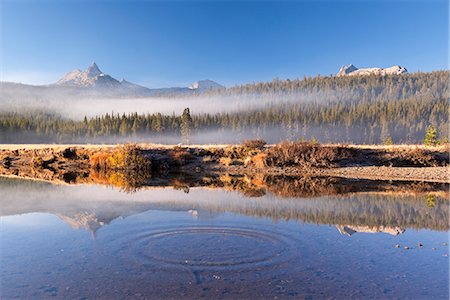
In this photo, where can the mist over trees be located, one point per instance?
(356, 109)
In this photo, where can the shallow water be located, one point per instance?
(88, 242)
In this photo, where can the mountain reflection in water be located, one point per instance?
(390, 211)
(229, 237)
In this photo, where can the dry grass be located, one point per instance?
(417, 157)
(259, 160)
(441, 148)
(149, 146)
(226, 161)
(306, 154)
(179, 156)
(251, 153)
(254, 144)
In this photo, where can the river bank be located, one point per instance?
(78, 163)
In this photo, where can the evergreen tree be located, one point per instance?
(124, 128)
(388, 141)
(186, 125)
(370, 109)
(431, 136)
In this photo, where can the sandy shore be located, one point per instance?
(428, 174)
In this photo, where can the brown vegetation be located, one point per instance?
(125, 167)
(179, 156)
(307, 155)
(130, 167)
(417, 157)
(254, 144)
(127, 157)
(125, 181)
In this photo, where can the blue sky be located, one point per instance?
(171, 43)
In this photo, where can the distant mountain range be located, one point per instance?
(93, 82)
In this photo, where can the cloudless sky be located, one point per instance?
(173, 43)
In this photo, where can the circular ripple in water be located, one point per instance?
(212, 247)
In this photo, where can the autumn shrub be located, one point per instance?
(69, 153)
(128, 157)
(99, 160)
(216, 153)
(306, 154)
(239, 154)
(125, 181)
(254, 144)
(420, 157)
(259, 160)
(305, 186)
(226, 161)
(180, 156)
(235, 152)
(417, 157)
(38, 162)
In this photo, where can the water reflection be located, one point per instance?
(91, 207)
(351, 229)
(218, 241)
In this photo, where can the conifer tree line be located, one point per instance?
(358, 109)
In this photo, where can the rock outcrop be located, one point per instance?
(351, 70)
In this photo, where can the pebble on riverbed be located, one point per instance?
(397, 246)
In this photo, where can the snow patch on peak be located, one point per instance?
(351, 70)
(351, 229)
(194, 86)
(206, 84)
(347, 69)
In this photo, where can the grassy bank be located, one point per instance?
(132, 165)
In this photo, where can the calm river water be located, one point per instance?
(87, 241)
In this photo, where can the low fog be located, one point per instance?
(346, 127)
(72, 104)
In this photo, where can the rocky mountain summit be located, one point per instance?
(351, 70)
(351, 229)
(94, 83)
(91, 77)
(94, 78)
